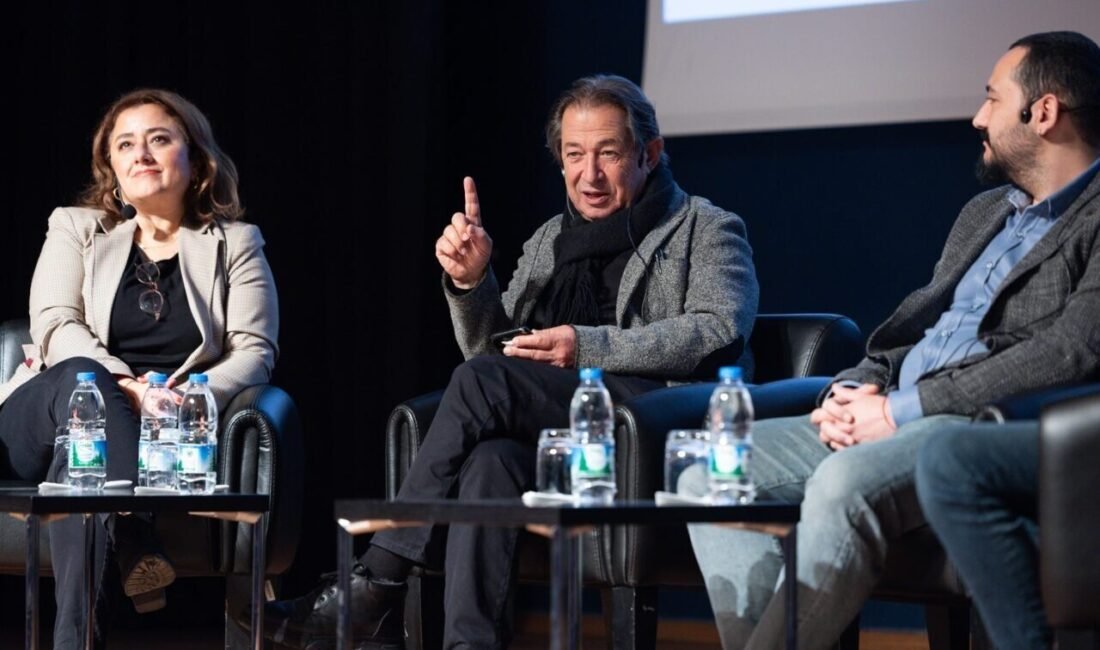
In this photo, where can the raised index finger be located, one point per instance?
(473, 206)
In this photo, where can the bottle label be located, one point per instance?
(162, 458)
(87, 454)
(195, 459)
(594, 461)
(728, 461)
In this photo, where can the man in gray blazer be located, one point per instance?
(635, 277)
(1013, 306)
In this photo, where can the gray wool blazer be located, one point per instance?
(228, 284)
(1043, 325)
(694, 298)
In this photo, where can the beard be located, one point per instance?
(990, 173)
(1011, 161)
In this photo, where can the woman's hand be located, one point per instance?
(134, 389)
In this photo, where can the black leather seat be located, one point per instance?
(1069, 516)
(259, 452)
(629, 563)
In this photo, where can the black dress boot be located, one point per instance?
(309, 622)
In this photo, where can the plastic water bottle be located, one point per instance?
(157, 452)
(592, 423)
(730, 421)
(198, 442)
(87, 435)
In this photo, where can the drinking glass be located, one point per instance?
(61, 455)
(683, 449)
(161, 465)
(552, 463)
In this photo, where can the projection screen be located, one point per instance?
(720, 66)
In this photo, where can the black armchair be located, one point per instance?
(629, 563)
(259, 452)
(1069, 516)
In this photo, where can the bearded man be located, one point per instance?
(1013, 306)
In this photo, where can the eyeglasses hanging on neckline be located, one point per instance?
(151, 301)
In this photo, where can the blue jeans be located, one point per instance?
(978, 485)
(854, 503)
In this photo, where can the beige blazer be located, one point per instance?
(228, 284)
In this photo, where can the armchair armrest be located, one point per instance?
(14, 334)
(1028, 406)
(405, 431)
(1069, 512)
(261, 453)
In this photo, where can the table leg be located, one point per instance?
(259, 568)
(565, 589)
(30, 637)
(343, 588)
(89, 581)
(576, 576)
(790, 564)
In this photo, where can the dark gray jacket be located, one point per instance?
(698, 298)
(1043, 325)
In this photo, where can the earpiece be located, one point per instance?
(1025, 115)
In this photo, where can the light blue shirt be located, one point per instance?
(954, 337)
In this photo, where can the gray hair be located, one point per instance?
(606, 90)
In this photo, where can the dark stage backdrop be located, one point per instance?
(353, 123)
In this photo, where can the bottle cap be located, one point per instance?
(729, 373)
(197, 378)
(85, 376)
(591, 374)
(157, 378)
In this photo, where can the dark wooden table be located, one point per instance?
(563, 524)
(33, 507)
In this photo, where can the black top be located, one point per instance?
(610, 278)
(140, 340)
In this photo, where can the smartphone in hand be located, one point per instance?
(501, 339)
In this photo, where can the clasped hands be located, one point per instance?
(135, 388)
(853, 415)
(464, 250)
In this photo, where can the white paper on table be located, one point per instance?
(141, 489)
(534, 499)
(673, 499)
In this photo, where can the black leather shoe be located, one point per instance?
(144, 583)
(144, 569)
(309, 622)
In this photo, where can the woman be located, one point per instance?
(152, 273)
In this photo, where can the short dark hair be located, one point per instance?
(606, 90)
(1067, 65)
